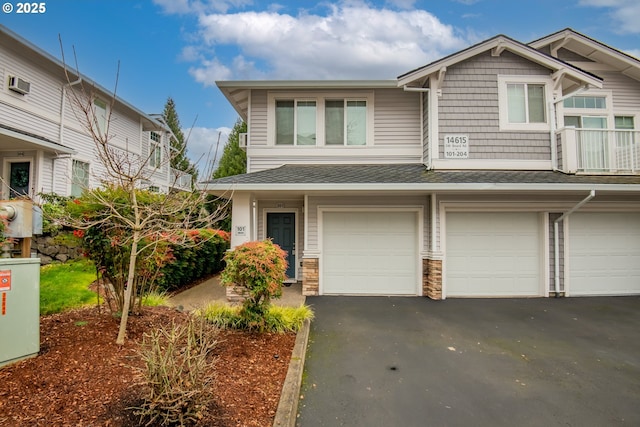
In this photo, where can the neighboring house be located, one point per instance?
(503, 170)
(44, 146)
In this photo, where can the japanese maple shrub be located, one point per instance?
(258, 268)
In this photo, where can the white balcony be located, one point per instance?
(180, 180)
(600, 151)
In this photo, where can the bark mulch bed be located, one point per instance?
(83, 378)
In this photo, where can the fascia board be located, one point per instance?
(507, 44)
(593, 44)
(449, 187)
(306, 84)
(51, 146)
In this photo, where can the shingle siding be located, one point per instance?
(469, 105)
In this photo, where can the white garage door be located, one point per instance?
(492, 254)
(370, 253)
(604, 253)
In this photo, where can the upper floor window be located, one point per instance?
(295, 122)
(624, 122)
(345, 122)
(523, 102)
(100, 112)
(590, 102)
(526, 103)
(155, 157)
(79, 177)
(320, 119)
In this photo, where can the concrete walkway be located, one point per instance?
(211, 291)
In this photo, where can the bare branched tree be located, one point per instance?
(146, 223)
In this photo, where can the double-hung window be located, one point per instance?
(155, 147)
(295, 122)
(523, 103)
(345, 122)
(79, 177)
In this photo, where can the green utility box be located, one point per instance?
(19, 309)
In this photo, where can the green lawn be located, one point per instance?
(65, 286)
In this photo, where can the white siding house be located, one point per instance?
(503, 170)
(44, 144)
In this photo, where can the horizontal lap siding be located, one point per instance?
(396, 118)
(396, 124)
(469, 105)
(258, 117)
(626, 92)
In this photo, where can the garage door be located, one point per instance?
(492, 254)
(604, 253)
(371, 253)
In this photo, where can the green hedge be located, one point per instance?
(193, 263)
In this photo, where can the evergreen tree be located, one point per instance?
(179, 158)
(234, 159)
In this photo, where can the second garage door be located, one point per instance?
(492, 254)
(373, 253)
(604, 253)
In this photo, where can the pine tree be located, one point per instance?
(234, 159)
(179, 158)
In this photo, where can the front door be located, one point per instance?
(19, 179)
(281, 227)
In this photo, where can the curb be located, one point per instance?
(286, 413)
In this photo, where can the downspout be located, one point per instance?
(429, 124)
(556, 243)
(254, 208)
(63, 105)
(554, 119)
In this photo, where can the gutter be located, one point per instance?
(556, 243)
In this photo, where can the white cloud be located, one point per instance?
(625, 12)
(205, 146)
(353, 40)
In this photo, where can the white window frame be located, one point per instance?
(593, 112)
(319, 98)
(155, 160)
(101, 115)
(73, 176)
(503, 102)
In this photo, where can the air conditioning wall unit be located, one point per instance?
(242, 140)
(19, 85)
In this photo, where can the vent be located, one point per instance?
(242, 140)
(19, 85)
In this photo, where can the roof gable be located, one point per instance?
(497, 45)
(590, 49)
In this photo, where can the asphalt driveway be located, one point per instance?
(378, 361)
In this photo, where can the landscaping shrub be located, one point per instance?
(277, 319)
(258, 269)
(178, 373)
(190, 263)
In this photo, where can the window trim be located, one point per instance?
(72, 180)
(503, 103)
(607, 112)
(319, 98)
(101, 122)
(153, 145)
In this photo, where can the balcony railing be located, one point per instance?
(606, 151)
(180, 180)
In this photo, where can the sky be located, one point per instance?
(180, 48)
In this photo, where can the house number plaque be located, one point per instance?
(456, 146)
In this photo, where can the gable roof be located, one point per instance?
(590, 49)
(497, 45)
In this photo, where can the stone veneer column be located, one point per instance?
(432, 278)
(310, 276)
